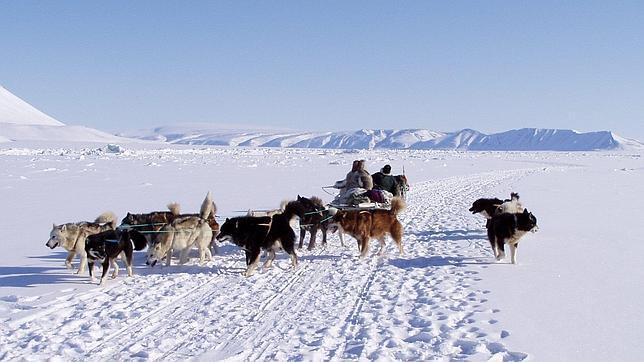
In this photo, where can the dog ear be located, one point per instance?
(525, 211)
(63, 228)
(54, 226)
(227, 219)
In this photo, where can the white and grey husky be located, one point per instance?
(71, 236)
(181, 234)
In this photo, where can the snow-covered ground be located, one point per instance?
(573, 296)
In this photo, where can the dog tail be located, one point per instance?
(107, 217)
(213, 210)
(397, 205)
(514, 196)
(207, 207)
(174, 208)
(283, 205)
(138, 240)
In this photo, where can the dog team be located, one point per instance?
(165, 232)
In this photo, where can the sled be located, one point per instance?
(366, 206)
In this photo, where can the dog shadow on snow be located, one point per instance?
(440, 260)
(31, 276)
(436, 261)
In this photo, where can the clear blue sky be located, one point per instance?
(330, 65)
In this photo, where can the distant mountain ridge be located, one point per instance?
(525, 139)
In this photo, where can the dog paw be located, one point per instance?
(69, 265)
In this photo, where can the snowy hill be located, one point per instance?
(526, 139)
(16, 111)
(20, 121)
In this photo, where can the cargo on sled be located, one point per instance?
(358, 198)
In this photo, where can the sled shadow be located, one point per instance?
(436, 261)
(29, 277)
(451, 235)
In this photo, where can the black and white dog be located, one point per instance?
(508, 228)
(486, 207)
(256, 233)
(105, 247)
(489, 208)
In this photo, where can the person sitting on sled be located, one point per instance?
(383, 180)
(356, 182)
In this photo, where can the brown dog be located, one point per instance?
(365, 225)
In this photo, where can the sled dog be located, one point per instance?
(486, 207)
(71, 236)
(107, 246)
(508, 229)
(181, 234)
(152, 222)
(365, 225)
(316, 217)
(269, 233)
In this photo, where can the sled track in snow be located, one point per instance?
(422, 305)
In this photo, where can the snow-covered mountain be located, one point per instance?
(20, 121)
(14, 110)
(526, 139)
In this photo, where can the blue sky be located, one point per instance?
(331, 65)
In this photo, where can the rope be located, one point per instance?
(156, 232)
(321, 221)
(328, 187)
(316, 212)
(128, 226)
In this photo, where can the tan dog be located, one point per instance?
(365, 225)
(71, 237)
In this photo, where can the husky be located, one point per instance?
(210, 218)
(152, 222)
(269, 233)
(365, 225)
(108, 245)
(181, 234)
(508, 229)
(71, 236)
(316, 217)
(486, 207)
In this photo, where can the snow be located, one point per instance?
(573, 296)
(526, 139)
